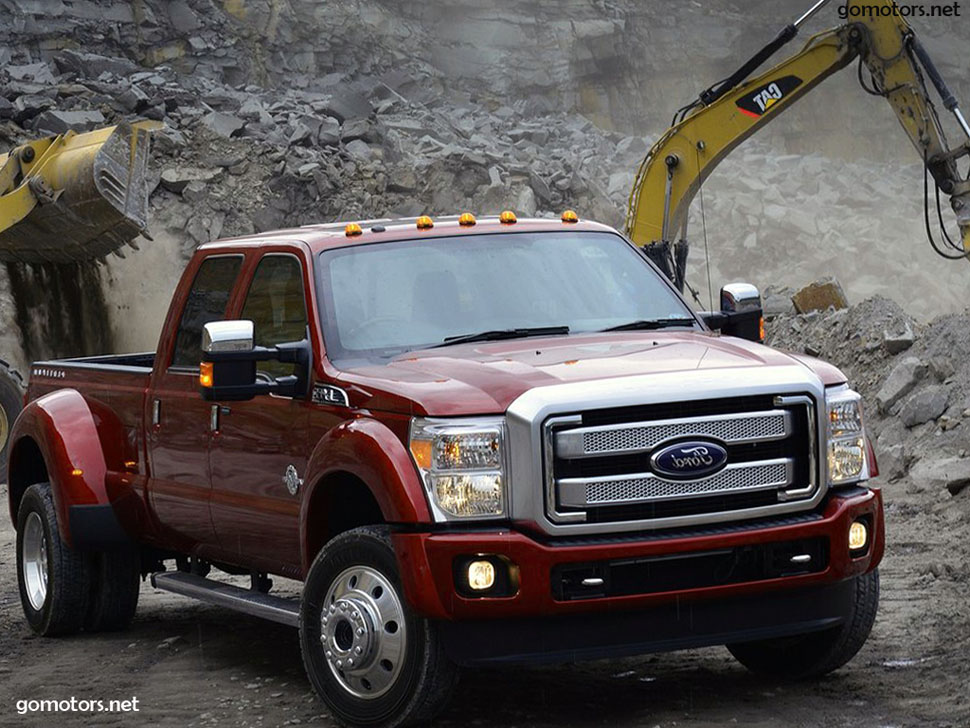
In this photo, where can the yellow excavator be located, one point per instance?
(69, 198)
(892, 64)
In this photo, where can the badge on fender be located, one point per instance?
(329, 394)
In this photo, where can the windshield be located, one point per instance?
(380, 300)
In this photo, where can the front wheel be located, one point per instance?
(371, 660)
(816, 654)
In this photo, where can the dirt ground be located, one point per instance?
(190, 664)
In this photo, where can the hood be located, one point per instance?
(485, 378)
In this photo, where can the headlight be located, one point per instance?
(846, 436)
(462, 464)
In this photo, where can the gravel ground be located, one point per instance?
(194, 665)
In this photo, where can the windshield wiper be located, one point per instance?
(652, 324)
(498, 334)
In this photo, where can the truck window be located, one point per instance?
(381, 299)
(207, 302)
(276, 304)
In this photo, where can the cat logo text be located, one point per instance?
(763, 98)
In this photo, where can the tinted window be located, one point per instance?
(276, 305)
(382, 299)
(207, 302)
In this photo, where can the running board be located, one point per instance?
(247, 601)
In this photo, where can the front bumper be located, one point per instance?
(427, 563)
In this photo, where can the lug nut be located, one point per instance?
(329, 654)
(350, 662)
(358, 650)
(340, 663)
(360, 631)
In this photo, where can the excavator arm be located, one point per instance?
(705, 131)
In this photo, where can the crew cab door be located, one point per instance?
(177, 417)
(258, 450)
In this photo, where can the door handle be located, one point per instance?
(156, 413)
(215, 412)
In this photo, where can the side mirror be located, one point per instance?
(741, 313)
(227, 336)
(228, 368)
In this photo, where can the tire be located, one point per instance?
(114, 590)
(11, 402)
(819, 653)
(54, 579)
(402, 675)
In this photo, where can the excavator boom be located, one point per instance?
(74, 197)
(708, 129)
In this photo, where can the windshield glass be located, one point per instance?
(379, 300)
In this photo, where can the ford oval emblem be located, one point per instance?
(685, 460)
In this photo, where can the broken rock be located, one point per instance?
(820, 296)
(900, 382)
(360, 149)
(924, 406)
(58, 122)
(897, 341)
(176, 179)
(951, 473)
(222, 124)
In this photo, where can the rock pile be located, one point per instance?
(917, 398)
(281, 114)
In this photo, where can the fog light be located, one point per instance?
(481, 575)
(858, 536)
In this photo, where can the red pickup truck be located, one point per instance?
(474, 442)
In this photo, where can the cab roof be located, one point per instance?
(382, 230)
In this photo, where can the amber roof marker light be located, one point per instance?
(424, 223)
(466, 219)
(352, 230)
(507, 217)
(570, 216)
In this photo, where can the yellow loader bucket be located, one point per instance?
(75, 196)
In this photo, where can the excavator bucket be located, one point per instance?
(74, 197)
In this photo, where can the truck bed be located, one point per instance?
(90, 375)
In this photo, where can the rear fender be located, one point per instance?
(63, 428)
(372, 453)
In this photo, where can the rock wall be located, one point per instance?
(282, 112)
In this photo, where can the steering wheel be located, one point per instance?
(375, 322)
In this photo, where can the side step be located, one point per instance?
(256, 604)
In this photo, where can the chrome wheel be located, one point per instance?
(34, 558)
(363, 632)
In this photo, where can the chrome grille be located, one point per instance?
(642, 436)
(598, 463)
(643, 487)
